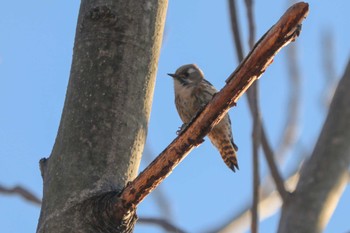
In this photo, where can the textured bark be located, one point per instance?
(104, 121)
(325, 176)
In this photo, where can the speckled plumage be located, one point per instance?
(192, 92)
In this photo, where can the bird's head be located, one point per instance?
(188, 74)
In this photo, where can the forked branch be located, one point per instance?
(252, 67)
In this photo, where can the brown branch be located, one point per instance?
(166, 225)
(282, 33)
(159, 195)
(22, 192)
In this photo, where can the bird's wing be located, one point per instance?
(204, 92)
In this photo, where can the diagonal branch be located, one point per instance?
(252, 67)
(161, 199)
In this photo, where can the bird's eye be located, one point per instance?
(186, 74)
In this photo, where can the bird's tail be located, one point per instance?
(226, 147)
(228, 153)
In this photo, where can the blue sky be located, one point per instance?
(36, 45)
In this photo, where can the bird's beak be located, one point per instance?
(173, 75)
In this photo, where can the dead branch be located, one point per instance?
(253, 66)
(22, 192)
(160, 197)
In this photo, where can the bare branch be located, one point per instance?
(290, 130)
(282, 33)
(253, 99)
(166, 225)
(268, 205)
(252, 95)
(236, 30)
(22, 192)
(273, 167)
(256, 176)
(251, 22)
(158, 194)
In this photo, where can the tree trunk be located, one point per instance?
(324, 177)
(105, 117)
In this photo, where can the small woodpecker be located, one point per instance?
(192, 92)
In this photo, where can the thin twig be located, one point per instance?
(268, 205)
(289, 133)
(235, 30)
(251, 22)
(256, 176)
(290, 130)
(252, 67)
(166, 225)
(239, 51)
(23, 192)
(273, 167)
(252, 94)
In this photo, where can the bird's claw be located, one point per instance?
(181, 129)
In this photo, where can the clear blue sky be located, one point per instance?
(36, 45)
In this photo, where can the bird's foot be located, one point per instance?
(181, 129)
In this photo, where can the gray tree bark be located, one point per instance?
(105, 117)
(324, 177)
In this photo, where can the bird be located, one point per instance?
(192, 93)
